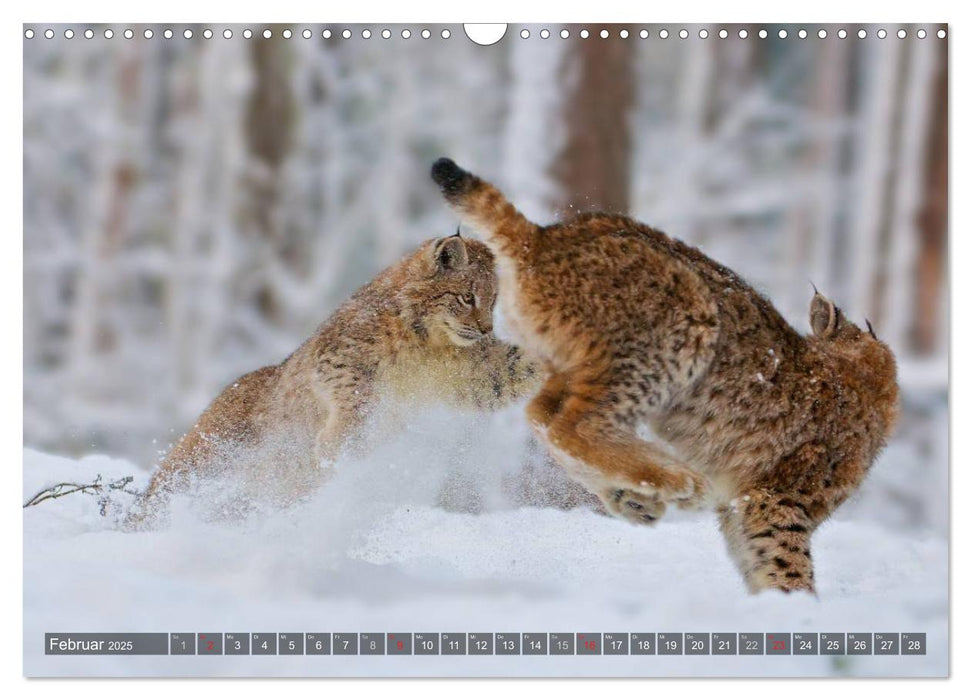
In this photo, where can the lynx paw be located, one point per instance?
(646, 502)
(692, 495)
(636, 506)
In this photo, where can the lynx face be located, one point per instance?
(459, 292)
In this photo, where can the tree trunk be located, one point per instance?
(873, 174)
(92, 331)
(932, 222)
(899, 280)
(812, 241)
(592, 167)
(268, 130)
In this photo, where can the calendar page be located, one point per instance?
(443, 350)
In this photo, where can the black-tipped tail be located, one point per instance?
(480, 204)
(451, 178)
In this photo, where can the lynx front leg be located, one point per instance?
(768, 538)
(492, 375)
(341, 429)
(547, 404)
(638, 507)
(633, 478)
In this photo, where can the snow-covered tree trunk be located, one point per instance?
(392, 185)
(268, 129)
(918, 105)
(107, 221)
(192, 137)
(870, 205)
(679, 182)
(813, 244)
(532, 134)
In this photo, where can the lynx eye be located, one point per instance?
(467, 300)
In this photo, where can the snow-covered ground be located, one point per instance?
(372, 552)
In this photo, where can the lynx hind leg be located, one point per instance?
(151, 507)
(768, 539)
(598, 447)
(638, 507)
(208, 447)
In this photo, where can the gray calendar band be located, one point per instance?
(100, 644)
(485, 643)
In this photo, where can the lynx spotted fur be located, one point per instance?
(771, 428)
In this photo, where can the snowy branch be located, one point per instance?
(95, 488)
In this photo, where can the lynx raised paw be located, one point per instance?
(647, 502)
(635, 506)
(692, 495)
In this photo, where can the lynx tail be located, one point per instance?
(482, 206)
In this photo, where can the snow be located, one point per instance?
(373, 550)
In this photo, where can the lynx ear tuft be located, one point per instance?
(450, 253)
(822, 316)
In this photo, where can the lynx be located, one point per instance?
(771, 428)
(420, 332)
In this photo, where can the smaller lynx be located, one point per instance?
(772, 428)
(421, 332)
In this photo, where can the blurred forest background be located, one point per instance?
(193, 208)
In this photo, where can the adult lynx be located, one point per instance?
(421, 332)
(773, 429)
